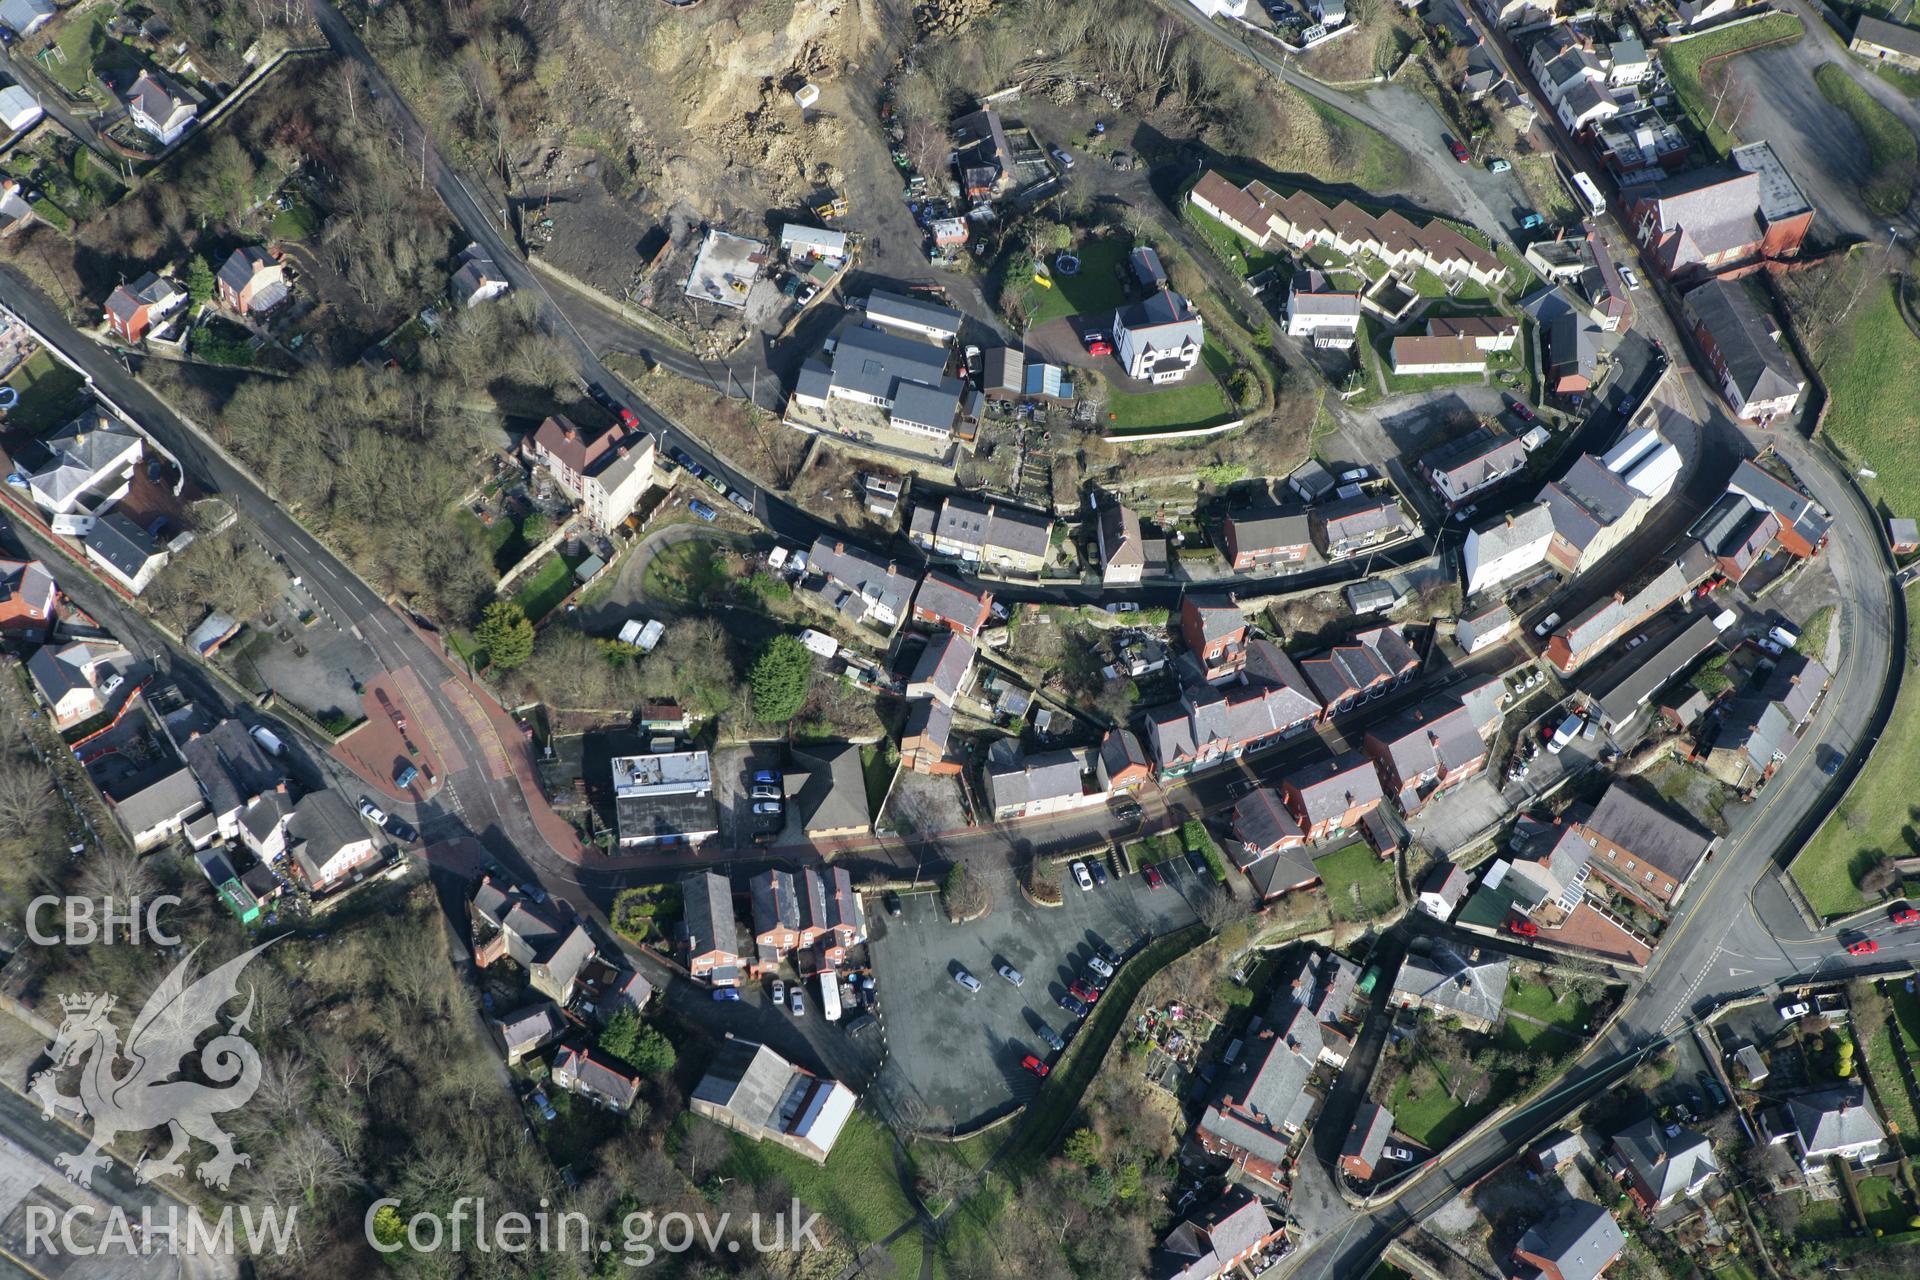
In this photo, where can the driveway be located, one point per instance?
(955, 1056)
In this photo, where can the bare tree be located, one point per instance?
(26, 798)
(704, 1146)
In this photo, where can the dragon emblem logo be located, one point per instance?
(145, 1094)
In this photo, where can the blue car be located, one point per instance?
(1099, 872)
(702, 510)
(1072, 1004)
(405, 776)
(767, 776)
(680, 456)
(726, 993)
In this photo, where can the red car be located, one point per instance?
(1036, 1066)
(1520, 408)
(1154, 880)
(1084, 992)
(1864, 947)
(1459, 152)
(628, 420)
(1523, 928)
(1097, 344)
(1906, 915)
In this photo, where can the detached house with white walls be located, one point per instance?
(1158, 340)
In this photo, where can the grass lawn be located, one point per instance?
(295, 223)
(546, 587)
(73, 61)
(878, 763)
(1907, 82)
(856, 1188)
(1734, 1270)
(1813, 633)
(501, 539)
(1685, 59)
(47, 389)
(1094, 288)
(684, 573)
(1433, 1119)
(1566, 1020)
(1885, 1204)
(1236, 252)
(1890, 144)
(1372, 160)
(1873, 819)
(1903, 1021)
(1825, 1219)
(1872, 372)
(1191, 404)
(1359, 884)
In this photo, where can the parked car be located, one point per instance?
(1100, 966)
(628, 419)
(372, 812)
(741, 501)
(1791, 1009)
(1629, 277)
(765, 792)
(1499, 164)
(1356, 475)
(1402, 1154)
(1785, 637)
(1011, 974)
(769, 807)
(892, 901)
(1523, 928)
(1862, 947)
(1905, 915)
(1095, 979)
(1097, 344)
(1099, 871)
(1065, 160)
(680, 456)
(703, 511)
(1546, 624)
(1713, 1088)
(1531, 221)
(544, 1107)
(1052, 1038)
(766, 776)
(715, 483)
(726, 993)
(401, 831)
(1034, 1065)
(797, 1001)
(1459, 152)
(1154, 880)
(1081, 877)
(1083, 990)
(966, 979)
(600, 396)
(1107, 953)
(405, 776)
(1129, 812)
(1073, 1006)
(780, 991)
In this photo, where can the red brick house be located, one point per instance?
(134, 308)
(1360, 1155)
(945, 601)
(1645, 850)
(1332, 795)
(1708, 220)
(711, 937)
(27, 599)
(1266, 536)
(1215, 632)
(1425, 751)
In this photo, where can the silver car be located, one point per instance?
(1100, 966)
(1011, 974)
(966, 980)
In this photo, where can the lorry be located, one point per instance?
(830, 995)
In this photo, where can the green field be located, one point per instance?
(1875, 816)
(685, 573)
(857, 1188)
(47, 389)
(1373, 160)
(1685, 59)
(1359, 884)
(1566, 1020)
(69, 59)
(1890, 144)
(546, 587)
(1433, 1119)
(1092, 290)
(1871, 369)
(1194, 403)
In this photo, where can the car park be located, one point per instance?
(1034, 1065)
(372, 812)
(966, 979)
(1081, 877)
(1010, 973)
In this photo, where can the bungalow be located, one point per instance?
(1416, 356)
(1487, 333)
(1578, 1241)
(753, 1090)
(1658, 1167)
(1366, 1139)
(589, 1074)
(251, 281)
(1264, 537)
(942, 600)
(1331, 795)
(707, 925)
(132, 309)
(1886, 42)
(1426, 751)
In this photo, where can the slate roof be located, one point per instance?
(990, 526)
(1330, 787)
(1263, 528)
(948, 597)
(1581, 1240)
(834, 796)
(1887, 35)
(1218, 616)
(1372, 657)
(231, 766)
(169, 796)
(1261, 820)
(707, 913)
(1313, 295)
(243, 264)
(1501, 534)
(1483, 457)
(1278, 872)
(863, 573)
(1613, 615)
(1200, 1246)
(533, 1025)
(1357, 519)
(1573, 346)
(1834, 1118)
(900, 308)
(1447, 882)
(1044, 775)
(1438, 734)
(775, 903)
(1657, 664)
(944, 662)
(1449, 981)
(1372, 1126)
(1162, 320)
(597, 1074)
(1120, 750)
(1654, 836)
(1757, 366)
(1666, 1166)
(876, 362)
(1119, 535)
(80, 450)
(157, 97)
(122, 543)
(149, 290)
(323, 824)
(1795, 509)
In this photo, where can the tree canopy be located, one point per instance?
(780, 679)
(506, 634)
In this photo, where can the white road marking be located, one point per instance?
(1737, 973)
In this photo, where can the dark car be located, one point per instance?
(1071, 1005)
(1095, 979)
(401, 831)
(1197, 862)
(1097, 871)
(601, 398)
(1713, 1089)
(680, 456)
(726, 993)
(1459, 152)
(1154, 879)
(1052, 1038)
(1107, 953)
(1129, 812)
(892, 900)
